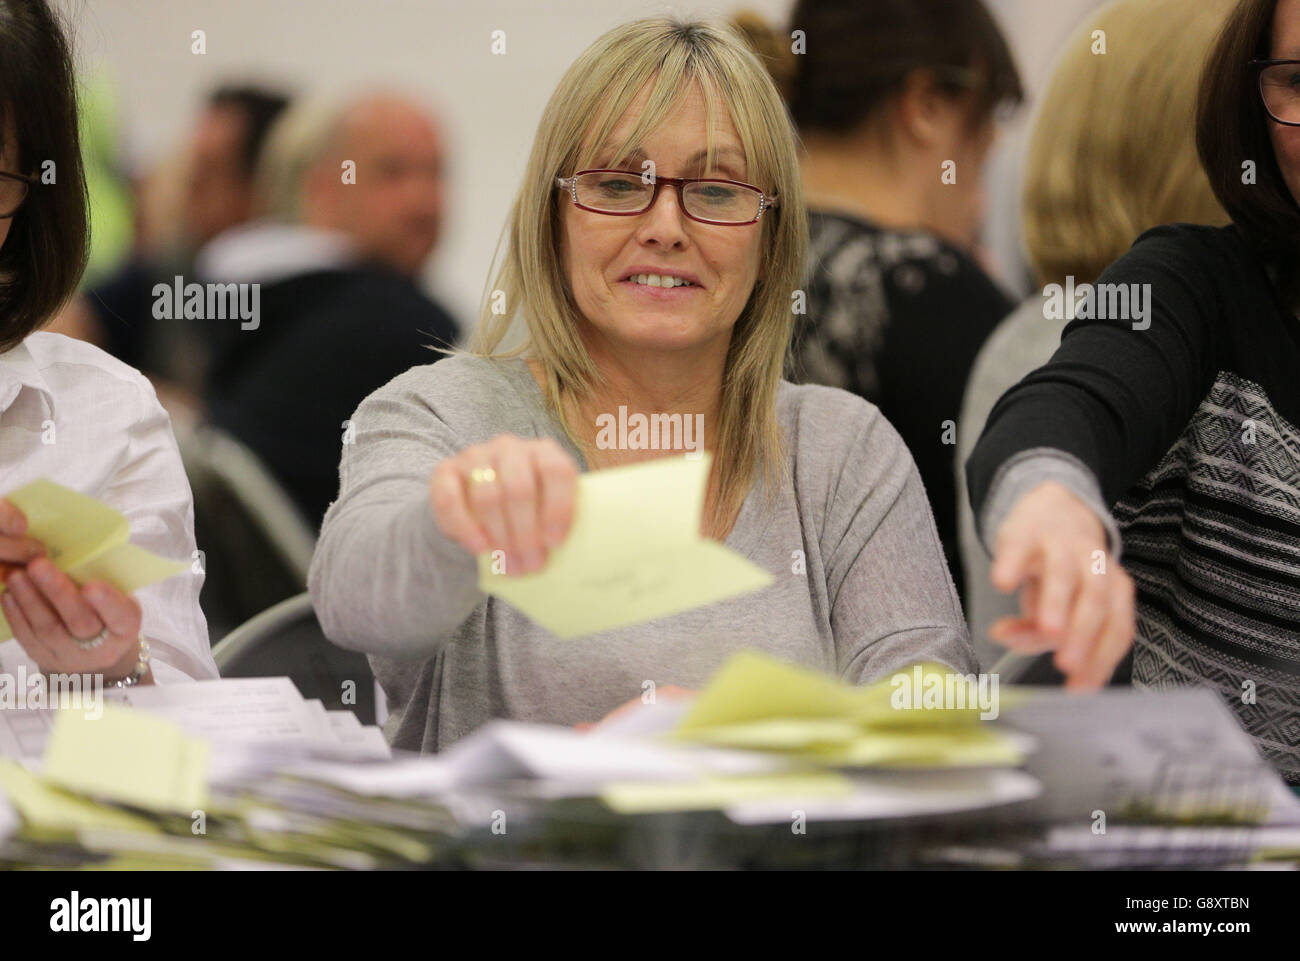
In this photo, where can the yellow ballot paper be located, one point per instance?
(49, 812)
(754, 689)
(633, 554)
(905, 720)
(128, 756)
(86, 539)
(714, 793)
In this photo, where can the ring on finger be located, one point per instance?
(482, 475)
(90, 643)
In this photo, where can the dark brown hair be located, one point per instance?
(260, 108)
(1232, 128)
(45, 253)
(860, 53)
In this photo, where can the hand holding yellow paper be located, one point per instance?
(633, 554)
(86, 539)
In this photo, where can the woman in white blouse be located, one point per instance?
(71, 413)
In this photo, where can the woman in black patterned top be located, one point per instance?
(899, 317)
(895, 106)
(1176, 431)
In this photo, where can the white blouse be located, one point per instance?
(74, 414)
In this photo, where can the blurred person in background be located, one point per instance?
(108, 190)
(896, 104)
(216, 193)
(1172, 430)
(1095, 179)
(354, 194)
(69, 412)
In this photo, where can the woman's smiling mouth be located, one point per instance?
(659, 293)
(660, 286)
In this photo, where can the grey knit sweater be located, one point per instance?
(861, 585)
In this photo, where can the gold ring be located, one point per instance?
(482, 475)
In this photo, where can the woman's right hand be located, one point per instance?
(1047, 547)
(513, 494)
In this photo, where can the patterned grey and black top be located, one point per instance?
(897, 317)
(1190, 428)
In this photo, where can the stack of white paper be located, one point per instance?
(258, 710)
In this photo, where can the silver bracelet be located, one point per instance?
(141, 668)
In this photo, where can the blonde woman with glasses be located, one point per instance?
(653, 253)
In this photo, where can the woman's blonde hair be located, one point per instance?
(297, 141)
(671, 57)
(1113, 151)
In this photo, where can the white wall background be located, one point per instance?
(439, 50)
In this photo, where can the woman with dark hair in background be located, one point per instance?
(1095, 178)
(895, 102)
(68, 411)
(1184, 423)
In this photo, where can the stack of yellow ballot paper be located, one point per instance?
(120, 776)
(923, 717)
(86, 539)
(129, 789)
(633, 554)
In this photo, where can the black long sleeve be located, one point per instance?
(1115, 397)
(1190, 428)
